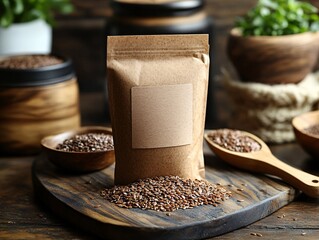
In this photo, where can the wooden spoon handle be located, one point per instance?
(305, 182)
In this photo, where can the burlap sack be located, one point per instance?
(157, 94)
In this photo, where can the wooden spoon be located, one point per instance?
(263, 161)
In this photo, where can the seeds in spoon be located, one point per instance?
(233, 140)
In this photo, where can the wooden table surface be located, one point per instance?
(22, 217)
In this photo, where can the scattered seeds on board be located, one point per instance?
(303, 234)
(240, 200)
(166, 193)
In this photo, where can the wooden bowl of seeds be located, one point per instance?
(306, 129)
(85, 149)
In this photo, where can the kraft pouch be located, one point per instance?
(157, 87)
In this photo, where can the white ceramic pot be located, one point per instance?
(33, 37)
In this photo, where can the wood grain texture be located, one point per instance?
(30, 113)
(273, 59)
(76, 199)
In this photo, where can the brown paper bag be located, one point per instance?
(157, 89)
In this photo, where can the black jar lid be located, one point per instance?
(171, 8)
(200, 26)
(37, 76)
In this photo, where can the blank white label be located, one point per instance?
(162, 116)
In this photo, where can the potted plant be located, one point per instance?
(26, 25)
(277, 41)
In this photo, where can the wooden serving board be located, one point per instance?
(76, 198)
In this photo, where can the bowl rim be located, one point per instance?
(302, 130)
(236, 32)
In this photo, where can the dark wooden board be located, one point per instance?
(76, 199)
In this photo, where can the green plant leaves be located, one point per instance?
(6, 17)
(279, 17)
(17, 6)
(18, 11)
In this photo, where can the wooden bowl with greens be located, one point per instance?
(275, 42)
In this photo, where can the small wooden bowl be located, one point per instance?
(273, 59)
(77, 161)
(310, 143)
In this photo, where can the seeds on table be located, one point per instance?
(256, 234)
